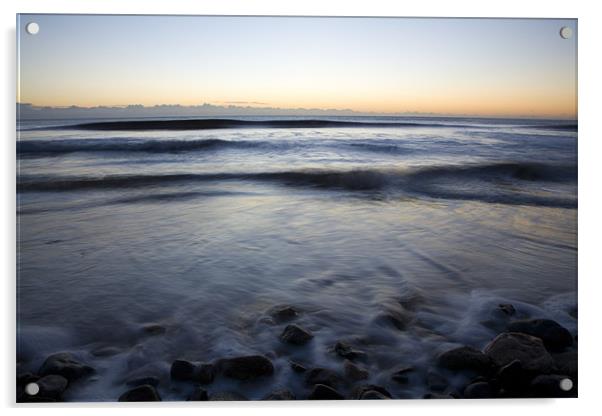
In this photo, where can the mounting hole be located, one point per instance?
(566, 384)
(32, 28)
(32, 389)
(566, 32)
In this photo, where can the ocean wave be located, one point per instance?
(504, 183)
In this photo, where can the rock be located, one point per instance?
(465, 359)
(438, 396)
(294, 334)
(435, 381)
(323, 376)
(246, 367)
(567, 363)
(324, 392)
(64, 364)
(397, 316)
(52, 386)
(138, 381)
(280, 395)
(507, 308)
(530, 351)
(513, 377)
(368, 391)
(478, 390)
(227, 396)
(402, 375)
(106, 351)
(283, 313)
(184, 370)
(154, 329)
(199, 394)
(554, 336)
(144, 393)
(297, 368)
(354, 372)
(346, 351)
(548, 385)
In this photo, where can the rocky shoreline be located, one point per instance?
(528, 358)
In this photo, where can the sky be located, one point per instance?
(478, 67)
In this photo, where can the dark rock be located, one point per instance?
(354, 372)
(52, 386)
(323, 376)
(189, 371)
(478, 390)
(199, 394)
(397, 316)
(294, 334)
(373, 395)
(465, 359)
(402, 375)
(280, 395)
(138, 381)
(513, 377)
(227, 396)
(567, 363)
(24, 379)
(246, 367)
(530, 351)
(154, 329)
(438, 396)
(549, 386)
(298, 368)
(324, 392)
(554, 336)
(507, 308)
(283, 313)
(64, 364)
(144, 393)
(346, 351)
(360, 392)
(436, 382)
(106, 351)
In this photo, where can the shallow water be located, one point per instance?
(203, 232)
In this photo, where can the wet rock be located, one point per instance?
(513, 377)
(530, 351)
(369, 391)
(548, 385)
(246, 367)
(353, 372)
(324, 392)
(154, 329)
(465, 359)
(436, 381)
(507, 309)
(227, 396)
(24, 379)
(106, 351)
(144, 393)
(283, 313)
(402, 375)
(346, 351)
(199, 394)
(294, 334)
(52, 386)
(280, 395)
(323, 376)
(139, 381)
(478, 390)
(567, 363)
(373, 395)
(64, 364)
(298, 368)
(397, 316)
(554, 336)
(184, 370)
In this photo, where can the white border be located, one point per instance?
(590, 166)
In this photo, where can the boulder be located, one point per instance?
(297, 368)
(554, 336)
(436, 381)
(402, 375)
(465, 359)
(64, 364)
(184, 370)
(354, 372)
(199, 394)
(324, 392)
(514, 378)
(530, 351)
(283, 313)
(144, 393)
(280, 395)
(227, 396)
(478, 390)
(369, 392)
(246, 367)
(346, 351)
(507, 308)
(567, 363)
(52, 386)
(294, 334)
(323, 376)
(549, 385)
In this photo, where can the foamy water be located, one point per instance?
(203, 231)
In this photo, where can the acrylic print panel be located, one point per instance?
(281, 208)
